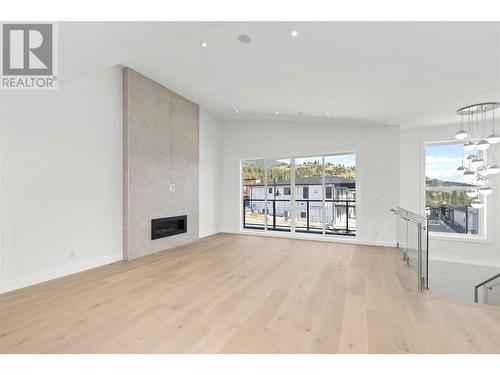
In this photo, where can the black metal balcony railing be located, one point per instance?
(256, 213)
(453, 219)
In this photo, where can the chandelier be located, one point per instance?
(478, 118)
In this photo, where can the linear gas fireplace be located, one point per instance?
(168, 226)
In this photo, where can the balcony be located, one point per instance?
(453, 219)
(276, 214)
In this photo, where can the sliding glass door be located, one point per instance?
(309, 194)
(254, 199)
(313, 194)
(279, 194)
(340, 197)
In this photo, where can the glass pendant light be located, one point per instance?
(476, 203)
(461, 134)
(493, 169)
(469, 173)
(477, 162)
(469, 146)
(482, 181)
(481, 171)
(493, 138)
(483, 145)
(485, 190)
(472, 193)
(461, 170)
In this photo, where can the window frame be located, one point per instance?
(328, 189)
(482, 236)
(317, 153)
(304, 190)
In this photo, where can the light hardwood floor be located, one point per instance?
(245, 294)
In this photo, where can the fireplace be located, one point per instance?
(168, 226)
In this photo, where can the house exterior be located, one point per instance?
(454, 218)
(340, 198)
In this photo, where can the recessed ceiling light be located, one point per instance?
(237, 111)
(204, 44)
(147, 53)
(328, 113)
(294, 33)
(276, 113)
(243, 38)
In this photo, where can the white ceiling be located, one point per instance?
(407, 74)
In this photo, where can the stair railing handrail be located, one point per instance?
(416, 218)
(476, 288)
(421, 222)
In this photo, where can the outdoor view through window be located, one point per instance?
(446, 203)
(320, 199)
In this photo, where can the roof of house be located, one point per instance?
(311, 181)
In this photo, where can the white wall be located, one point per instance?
(61, 179)
(377, 150)
(210, 173)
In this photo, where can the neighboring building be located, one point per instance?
(456, 219)
(308, 192)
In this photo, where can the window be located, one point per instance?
(447, 204)
(279, 174)
(305, 192)
(328, 192)
(323, 203)
(254, 202)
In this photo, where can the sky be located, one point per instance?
(443, 160)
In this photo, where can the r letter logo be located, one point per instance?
(29, 58)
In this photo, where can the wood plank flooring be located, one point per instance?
(246, 294)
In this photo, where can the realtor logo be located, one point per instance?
(29, 58)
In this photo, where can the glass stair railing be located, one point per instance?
(413, 241)
(488, 291)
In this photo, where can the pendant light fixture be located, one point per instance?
(476, 144)
(461, 134)
(469, 173)
(485, 190)
(483, 145)
(471, 193)
(477, 162)
(493, 169)
(476, 203)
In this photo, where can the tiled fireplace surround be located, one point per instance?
(160, 148)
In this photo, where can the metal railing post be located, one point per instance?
(274, 213)
(244, 224)
(347, 217)
(406, 257)
(419, 258)
(307, 210)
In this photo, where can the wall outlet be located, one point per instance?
(172, 188)
(72, 254)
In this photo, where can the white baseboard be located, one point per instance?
(206, 233)
(40, 277)
(309, 237)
